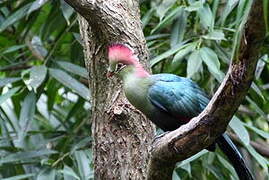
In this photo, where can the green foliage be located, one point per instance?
(44, 113)
(198, 39)
(44, 127)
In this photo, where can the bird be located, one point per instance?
(168, 100)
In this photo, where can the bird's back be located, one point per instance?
(179, 96)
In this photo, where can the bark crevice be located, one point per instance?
(119, 21)
(121, 135)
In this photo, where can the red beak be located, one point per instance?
(109, 74)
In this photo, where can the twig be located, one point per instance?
(60, 159)
(15, 68)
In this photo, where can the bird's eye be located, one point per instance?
(119, 67)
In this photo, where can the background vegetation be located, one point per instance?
(44, 104)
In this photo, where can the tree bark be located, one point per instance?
(202, 131)
(122, 135)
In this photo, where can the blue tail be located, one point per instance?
(232, 153)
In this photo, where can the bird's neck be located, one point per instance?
(134, 69)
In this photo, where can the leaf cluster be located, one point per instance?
(45, 128)
(198, 39)
(44, 101)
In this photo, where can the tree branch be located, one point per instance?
(202, 131)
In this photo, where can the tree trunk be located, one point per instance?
(122, 135)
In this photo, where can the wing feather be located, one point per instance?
(178, 96)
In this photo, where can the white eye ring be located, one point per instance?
(120, 66)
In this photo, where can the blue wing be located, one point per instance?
(176, 95)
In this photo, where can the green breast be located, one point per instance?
(136, 90)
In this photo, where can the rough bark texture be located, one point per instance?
(121, 134)
(204, 129)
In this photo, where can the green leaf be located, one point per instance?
(228, 166)
(5, 81)
(215, 35)
(175, 176)
(24, 176)
(230, 5)
(194, 63)
(260, 66)
(156, 36)
(178, 29)
(255, 87)
(37, 76)
(211, 59)
(8, 94)
(22, 12)
(256, 107)
(13, 48)
(239, 128)
(52, 92)
(164, 7)
(78, 38)
(261, 160)
(214, 7)
(68, 171)
(70, 82)
(19, 156)
(265, 58)
(258, 131)
(241, 18)
(222, 53)
(192, 158)
(82, 143)
(214, 170)
(67, 11)
(46, 174)
(77, 107)
(187, 167)
(73, 68)
(26, 116)
(206, 17)
(36, 5)
(37, 48)
(146, 18)
(168, 53)
(194, 6)
(184, 52)
(167, 20)
(83, 164)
